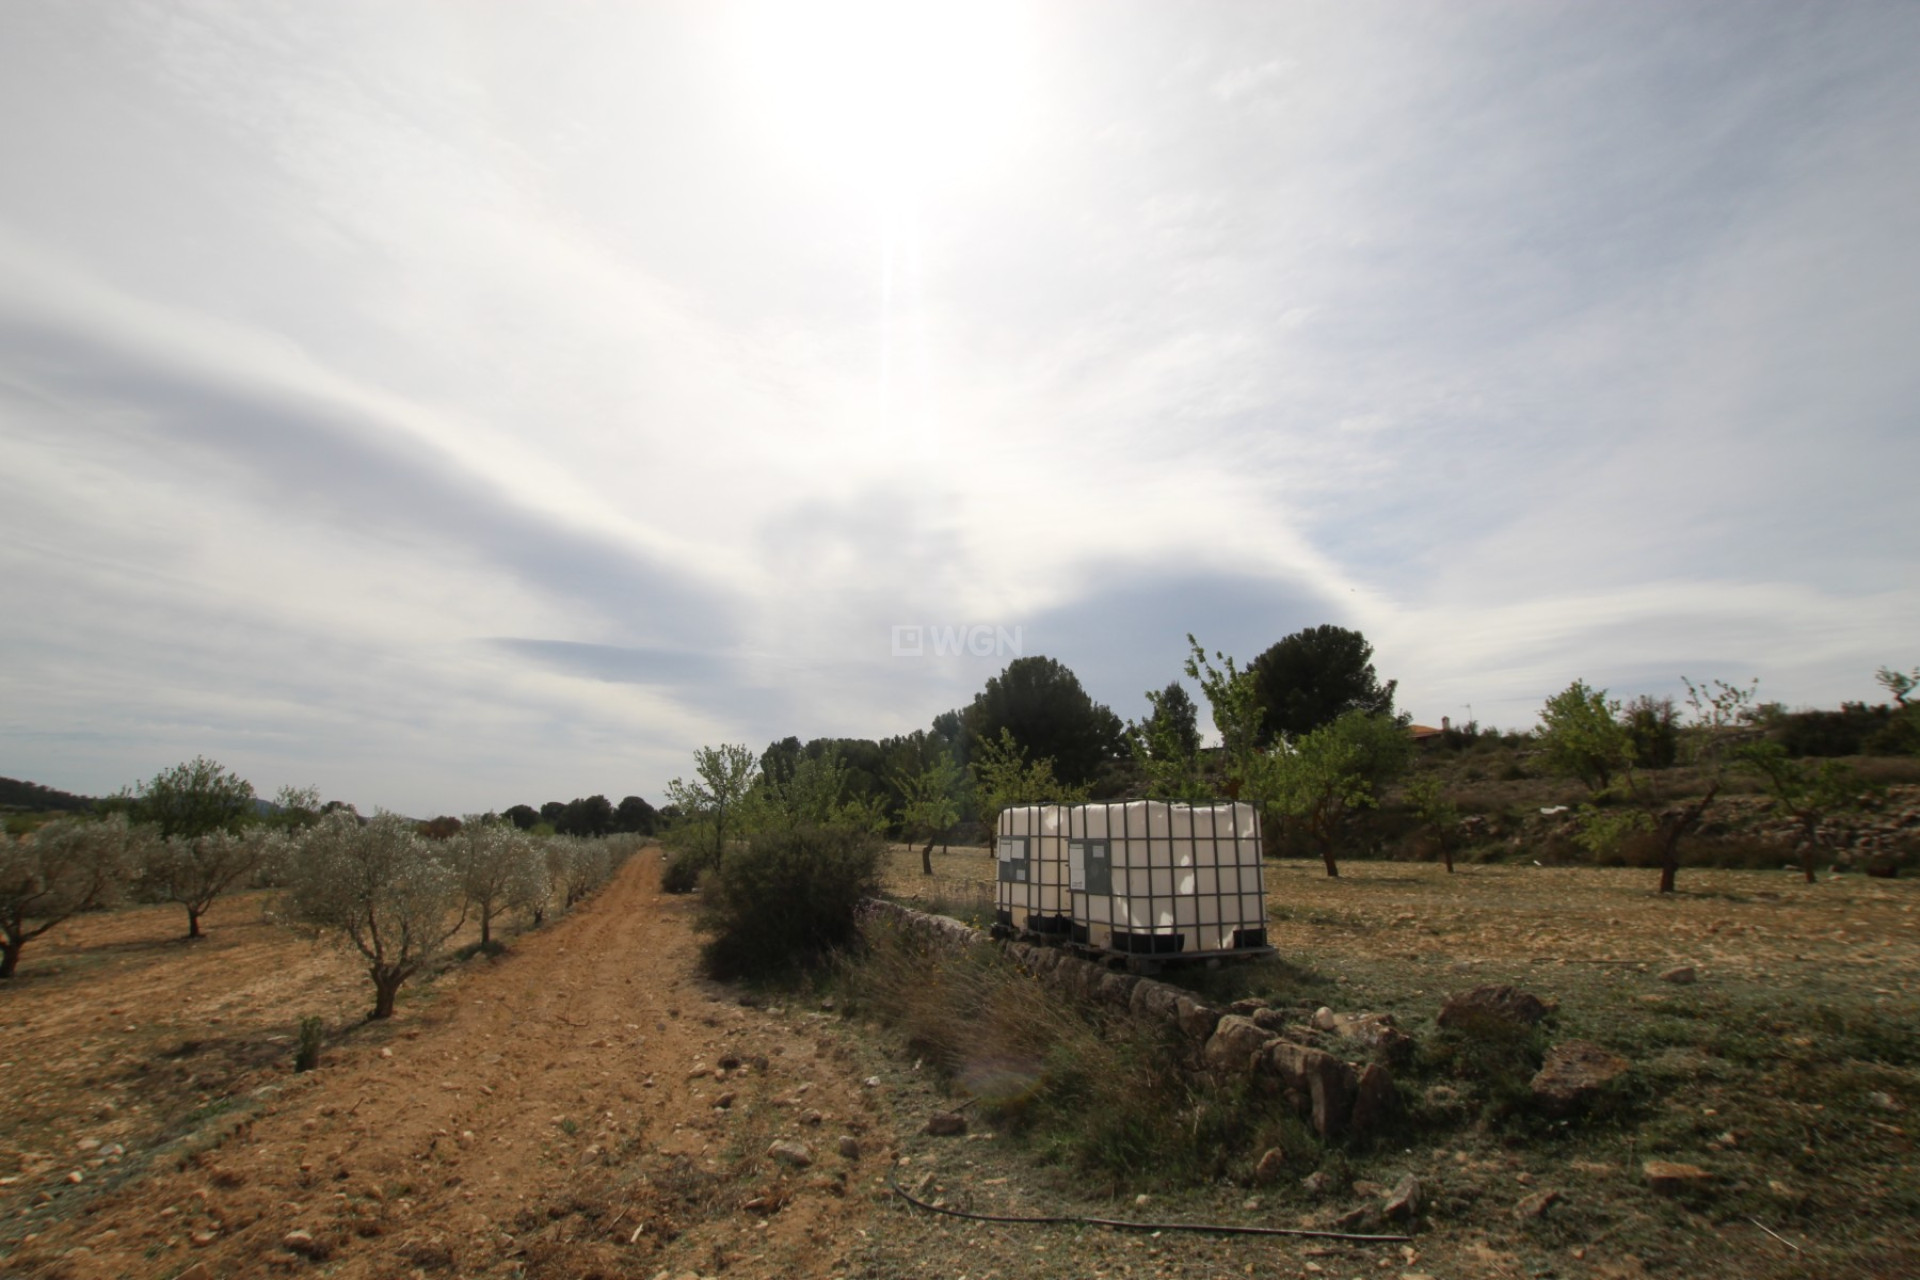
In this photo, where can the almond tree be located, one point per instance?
(1807, 791)
(66, 867)
(381, 889)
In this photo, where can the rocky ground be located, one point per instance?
(587, 1105)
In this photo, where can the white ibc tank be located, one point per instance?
(1141, 876)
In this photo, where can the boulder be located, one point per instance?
(1115, 988)
(1403, 1202)
(1574, 1073)
(1375, 1031)
(1328, 1083)
(797, 1154)
(1375, 1100)
(1499, 1004)
(1235, 1042)
(1195, 1018)
(1273, 1163)
(1152, 999)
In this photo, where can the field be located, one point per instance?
(563, 1110)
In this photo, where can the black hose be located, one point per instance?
(1119, 1224)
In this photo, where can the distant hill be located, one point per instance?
(33, 797)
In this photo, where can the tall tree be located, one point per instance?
(1041, 703)
(634, 815)
(195, 798)
(1166, 747)
(1315, 676)
(587, 816)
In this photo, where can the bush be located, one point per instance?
(681, 874)
(788, 898)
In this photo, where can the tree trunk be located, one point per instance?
(926, 857)
(1446, 851)
(10, 956)
(193, 924)
(1326, 855)
(486, 927)
(1674, 825)
(1810, 828)
(385, 988)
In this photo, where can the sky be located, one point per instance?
(452, 405)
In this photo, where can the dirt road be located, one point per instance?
(584, 1106)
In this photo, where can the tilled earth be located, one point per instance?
(585, 1105)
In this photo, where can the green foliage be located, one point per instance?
(195, 799)
(1325, 775)
(1234, 699)
(812, 792)
(1806, 791)
(306, 1054)
(1428, 800)
(1041, 703)
(1003, 777)
(1582, 737)
(932, 802)
(709, 805)
(586, 816)
(1602, 832)
(295, 808)
(1312, 678)
(787, 899)
(1900, 684)
(1166, 747)
(1653, 726)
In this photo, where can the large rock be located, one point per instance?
(1375, 1031)
(1375, 1101)
(1328, 1083)
(1152, 999)
(1116, 988)
(1573, 1074)
(1235, 1043)
(1496, 1004)
(1195, 1018)
(1403, 1202)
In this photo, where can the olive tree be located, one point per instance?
(381, 889)
(195, 870)
(66, 867)
(932, 802)
(495, 864)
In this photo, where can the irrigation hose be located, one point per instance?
(1121, 1224)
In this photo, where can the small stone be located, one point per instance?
(723, 1102)
(76, 1177)
(1403, 1202)
(946, 1124)
(1680, 975)
(1142, 1200)
(1273, 1163)
(1535, 1205)
(1317, 1184)
(871, 1082)
(1666, 1178)
(386, 1052)
(301, 1242)
(849, 1147)
(797, 1154)
(201, 1239)
(1323, 1018)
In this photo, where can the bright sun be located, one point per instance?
(892, 97)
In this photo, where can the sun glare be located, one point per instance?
(893, 99)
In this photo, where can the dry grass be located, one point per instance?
(1790, 1070)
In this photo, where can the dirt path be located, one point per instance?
(584, 1106)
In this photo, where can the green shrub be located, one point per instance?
(306, 1055)
(681, 874)
(787, 899)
